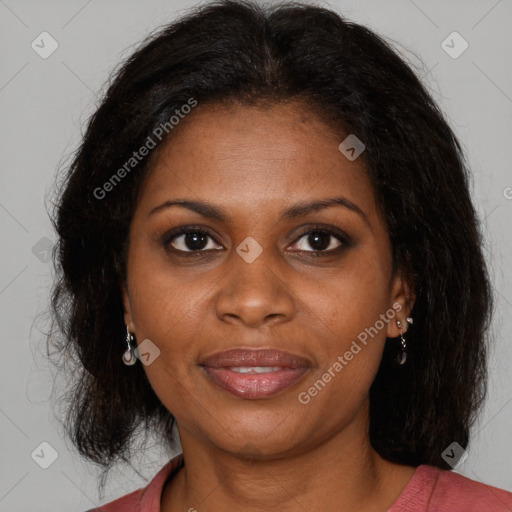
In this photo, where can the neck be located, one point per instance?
(342, 473)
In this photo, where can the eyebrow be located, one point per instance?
(297, 210)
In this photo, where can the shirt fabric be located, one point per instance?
(430, 490)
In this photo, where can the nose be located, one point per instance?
(255, 294)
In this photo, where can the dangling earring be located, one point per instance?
(129, 358)
(401, 355)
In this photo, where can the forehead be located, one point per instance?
(254, 158)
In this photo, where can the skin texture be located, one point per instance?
(254, 162)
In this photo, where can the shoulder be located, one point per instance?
(436, 490)
(145, 499)
(127, 503)
(456, 492)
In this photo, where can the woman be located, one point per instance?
(267, 240)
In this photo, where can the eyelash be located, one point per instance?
(342, 237)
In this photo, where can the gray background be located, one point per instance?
(44, 103)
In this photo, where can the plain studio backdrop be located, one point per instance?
(461, 50)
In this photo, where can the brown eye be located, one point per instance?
(322, 241)
(191, 240)
(318, 241)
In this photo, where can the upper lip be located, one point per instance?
(240, 357)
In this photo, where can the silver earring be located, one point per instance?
(401, 355)
(129, 358)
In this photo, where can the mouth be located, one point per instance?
(254, 373)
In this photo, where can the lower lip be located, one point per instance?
(254, 385)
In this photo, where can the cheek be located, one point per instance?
(350, 301)
(347, 311)
(163, 299)
(166, 309)
(349, 349)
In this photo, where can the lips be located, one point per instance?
(255, 357)
(254, 373)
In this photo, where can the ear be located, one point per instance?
(127, 308)
(402, 300)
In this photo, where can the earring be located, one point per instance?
(129, 358)
(401, 356)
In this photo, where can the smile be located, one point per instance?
(254, 373)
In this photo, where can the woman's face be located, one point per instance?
(263, 277)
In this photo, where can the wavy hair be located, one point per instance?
(240, 52)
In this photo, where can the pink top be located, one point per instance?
(430, 490)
